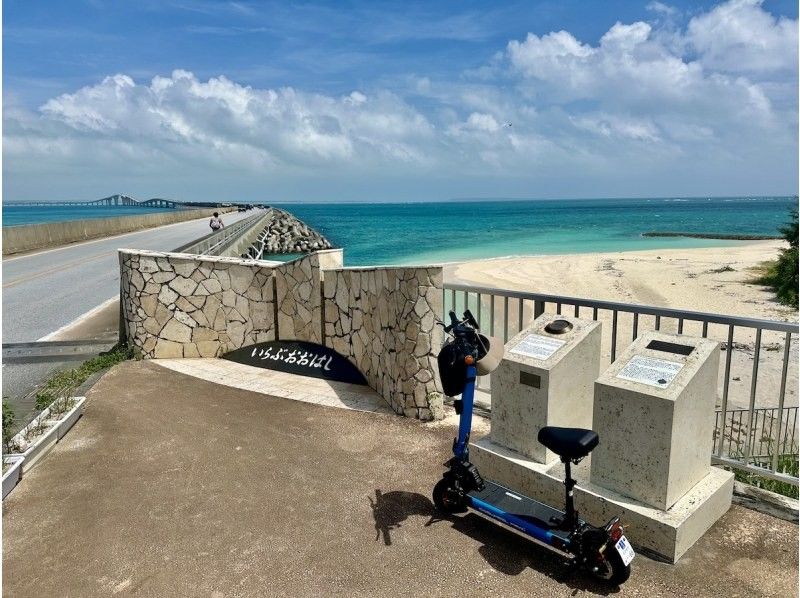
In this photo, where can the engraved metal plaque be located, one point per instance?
(529, 379)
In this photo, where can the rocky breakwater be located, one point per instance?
(285, 233)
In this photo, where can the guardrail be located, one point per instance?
(504, 312)
(218, 241)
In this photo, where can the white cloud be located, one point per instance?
(662, 8)
(284, 126)
(739, 36)
(482, 122)
(638, 112)
(610, 125)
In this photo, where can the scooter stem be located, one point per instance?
(461, 445)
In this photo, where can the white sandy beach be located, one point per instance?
(697, 279)
(677, 278)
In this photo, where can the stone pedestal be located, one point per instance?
(545, 379)
(664, 535)
(654, 413)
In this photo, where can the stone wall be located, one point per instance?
(179, 305)
(383, 319)
(298, 287)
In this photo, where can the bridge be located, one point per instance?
(120, 201)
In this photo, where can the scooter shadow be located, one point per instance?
(505, 551)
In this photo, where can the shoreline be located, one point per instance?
(721, 236)
(710, 279)
(567, 255)
(691, 244)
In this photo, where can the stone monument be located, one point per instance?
(654, 412)
(546, 378)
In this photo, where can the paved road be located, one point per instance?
(47, 290)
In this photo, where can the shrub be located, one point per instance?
(63, 384)
(782, 274)
(9, 418)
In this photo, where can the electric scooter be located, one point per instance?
(603, 551)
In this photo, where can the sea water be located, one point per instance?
(418, 233)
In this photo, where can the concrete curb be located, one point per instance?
(766, 502)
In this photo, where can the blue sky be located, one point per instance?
(398, 101)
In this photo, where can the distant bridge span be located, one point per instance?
(121, 201)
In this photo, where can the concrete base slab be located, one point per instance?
(664, 535)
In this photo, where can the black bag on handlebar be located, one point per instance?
(452, 370)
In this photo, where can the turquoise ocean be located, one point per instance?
(459, 230)
(415, 232)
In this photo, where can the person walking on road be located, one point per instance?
(216, 222)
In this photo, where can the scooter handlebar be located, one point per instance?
(462, 328)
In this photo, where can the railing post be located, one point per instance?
(725, 386)
(614, 336)
(786, 343)
(753, 385)
(491, 315)
(505, 319)
(538, 308)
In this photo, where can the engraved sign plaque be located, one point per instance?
(299, 357)
(653, 372)
(538, 346)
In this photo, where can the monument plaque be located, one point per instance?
(647, 370)
(538, 346)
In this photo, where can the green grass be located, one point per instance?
(64, 383)
(787, 464)
(9, 419)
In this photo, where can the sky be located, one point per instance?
(207, 100)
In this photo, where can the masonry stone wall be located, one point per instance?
(298, 287)
(179, 305)
(383, 319)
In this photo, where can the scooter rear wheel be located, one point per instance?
(612, 570)
(447, 498)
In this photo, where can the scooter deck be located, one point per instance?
(519, 506)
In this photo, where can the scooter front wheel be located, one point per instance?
(447, 498)
(612, 570)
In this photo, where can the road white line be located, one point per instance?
(79, 319)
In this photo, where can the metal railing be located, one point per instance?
(747, 387)
(218, 241)
(763, 433)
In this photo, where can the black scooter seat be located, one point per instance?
(569, 443)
